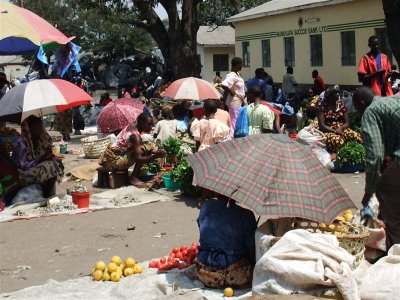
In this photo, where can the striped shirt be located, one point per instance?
(380, 129)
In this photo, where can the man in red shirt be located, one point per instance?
(319, 83)
(374, 69)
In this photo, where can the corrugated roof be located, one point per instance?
(276, 7)
(220, 36)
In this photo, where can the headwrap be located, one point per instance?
(43, 141)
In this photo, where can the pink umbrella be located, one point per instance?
(191, 88)
(118, 114)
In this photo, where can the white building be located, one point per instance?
(328, 35)
(215, 48)
(14, 66)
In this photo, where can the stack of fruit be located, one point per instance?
(115, 269)
(293, 135)
(338, 226)
(180, 258)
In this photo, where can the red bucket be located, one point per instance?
(81, 199)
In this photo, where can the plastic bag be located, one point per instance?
(311, 137)
(242, 123)
(324, 157)
(29, 194)
(375, 245)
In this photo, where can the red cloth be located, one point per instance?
(198, 112)
(275, 110)
(368, 65)
(319, 81)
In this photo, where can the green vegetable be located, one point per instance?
(182, 172)
(150, 168)
(352, 153)
(355, 120)
(173, 150)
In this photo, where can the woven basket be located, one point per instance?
(93, 147)
(351, 237)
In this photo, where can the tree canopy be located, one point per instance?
(111, 29)
(216, 12)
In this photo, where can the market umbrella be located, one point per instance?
(22, 31)
(191, 88)
(41, 97)
(272, 175)
(119, 114)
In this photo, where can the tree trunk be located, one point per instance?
(178, 44)
(392, 19)
(183, 49)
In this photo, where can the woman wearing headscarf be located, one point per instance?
(234, 88)
(34, 157)
(334, 122)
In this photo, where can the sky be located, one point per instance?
(161, 12)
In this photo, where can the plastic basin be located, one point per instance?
(169, 184)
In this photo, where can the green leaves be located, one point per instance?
(182, 172)
(352, 153)
(216, 12)
(173, 147)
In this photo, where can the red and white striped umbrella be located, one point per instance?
(118, 114)
(41, 97)
(191, 88)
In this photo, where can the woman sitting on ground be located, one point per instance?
(34, 157)
(334, 122)
(209, 131)
(130, 150)
(226, 255)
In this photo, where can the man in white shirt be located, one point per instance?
(289, 84)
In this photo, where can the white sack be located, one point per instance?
(382, 281)
(304, 262)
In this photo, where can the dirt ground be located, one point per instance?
(67, 247)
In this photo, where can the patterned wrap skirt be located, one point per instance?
(115, 160)
(42, 172)
(63, 122)
(237, 275)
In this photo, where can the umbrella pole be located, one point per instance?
(32, 62)
(258, 219)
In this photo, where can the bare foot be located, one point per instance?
(138, 183)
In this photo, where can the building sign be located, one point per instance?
(313, 30)
(302, 31)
